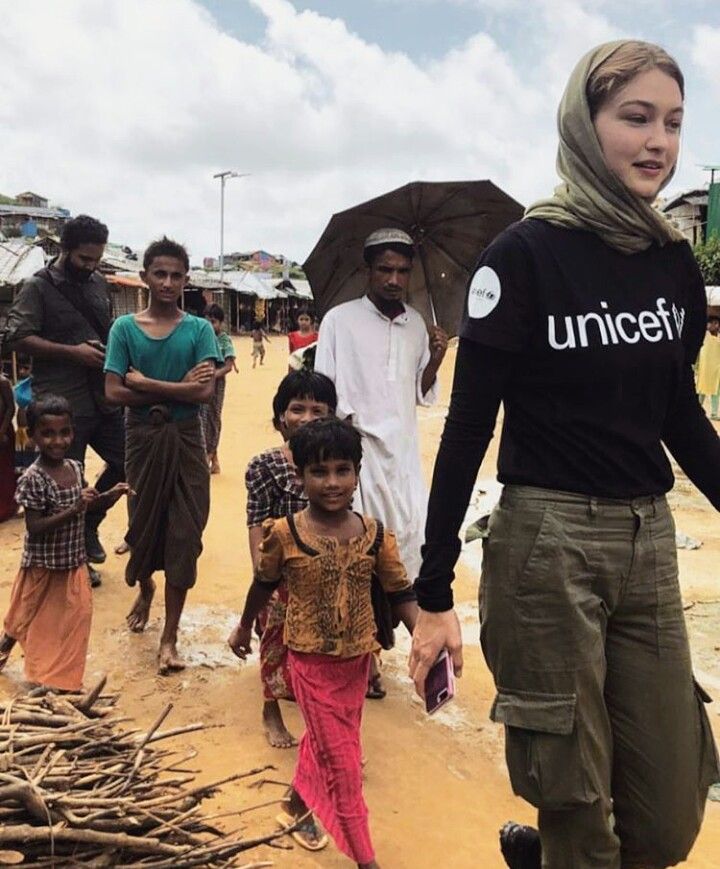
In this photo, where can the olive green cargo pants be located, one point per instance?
(582, 627)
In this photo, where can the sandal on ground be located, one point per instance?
(375, 690)
(306, 833)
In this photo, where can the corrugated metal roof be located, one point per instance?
(117, 259)
(19, 260)
(249, 284)
(691, 197)
(31, 211)
(295, 287)
(302, 288)
(202, 280)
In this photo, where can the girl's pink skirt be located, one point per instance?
(330, 692)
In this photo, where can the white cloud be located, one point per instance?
(705, 54)
(126, 109)
(570, 30)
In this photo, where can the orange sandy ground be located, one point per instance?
(436, 788)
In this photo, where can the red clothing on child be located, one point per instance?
(297, 340)
(330, 691)
(273, 491)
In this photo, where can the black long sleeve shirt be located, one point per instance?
(591, 352)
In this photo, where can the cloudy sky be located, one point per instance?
(125, 108)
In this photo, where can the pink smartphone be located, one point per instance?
(439, 683)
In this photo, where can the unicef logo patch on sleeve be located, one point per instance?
(484, 293)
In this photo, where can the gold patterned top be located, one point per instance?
(329, 609)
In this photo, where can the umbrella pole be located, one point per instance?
(432, 310)
(433, 314)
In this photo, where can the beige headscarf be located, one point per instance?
(592, 197)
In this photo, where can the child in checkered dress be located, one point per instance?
(51, 601)
(274, 491)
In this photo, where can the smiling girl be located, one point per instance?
(585, 319)
(326, 555)
(51, 603)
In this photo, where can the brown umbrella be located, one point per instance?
(451, 223)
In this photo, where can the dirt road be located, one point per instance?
(436, 788)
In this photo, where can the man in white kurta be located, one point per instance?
(378, 353)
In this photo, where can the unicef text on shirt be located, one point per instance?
(602, 329)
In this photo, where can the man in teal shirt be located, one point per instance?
(160, 364)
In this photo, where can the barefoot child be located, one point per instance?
(51, 602)
(160, 364)
(327, 555)
(274, 490)
(259, 335)
(211, 414)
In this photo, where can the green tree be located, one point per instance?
(707, 255)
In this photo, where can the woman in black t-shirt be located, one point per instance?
(584, 320)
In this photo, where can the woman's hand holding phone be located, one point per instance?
(433, 633)
(440, 683)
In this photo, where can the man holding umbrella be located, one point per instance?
(384, 362)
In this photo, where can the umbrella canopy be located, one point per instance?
(451, 223)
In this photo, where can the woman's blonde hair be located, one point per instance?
(623, 65)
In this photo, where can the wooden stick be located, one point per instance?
(260, 806)
(46, 768)
(137, 757)
(26, 794)
(204, 789)
(149, 735)
(268, 781)
(41, 760)
(86, 703)
(178, 731)
(28, 835)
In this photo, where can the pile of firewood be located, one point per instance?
(78, 790)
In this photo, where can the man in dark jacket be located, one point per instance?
(61, 317)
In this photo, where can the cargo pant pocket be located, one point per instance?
(542, 749)
(709, 762)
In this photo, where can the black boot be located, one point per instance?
(520, 846)
(94, 548)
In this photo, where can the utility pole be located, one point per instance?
(712, 225)
(223, 176)
(712, 169)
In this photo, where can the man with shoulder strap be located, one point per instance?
(62, 318)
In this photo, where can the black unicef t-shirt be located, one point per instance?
(601, 341)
